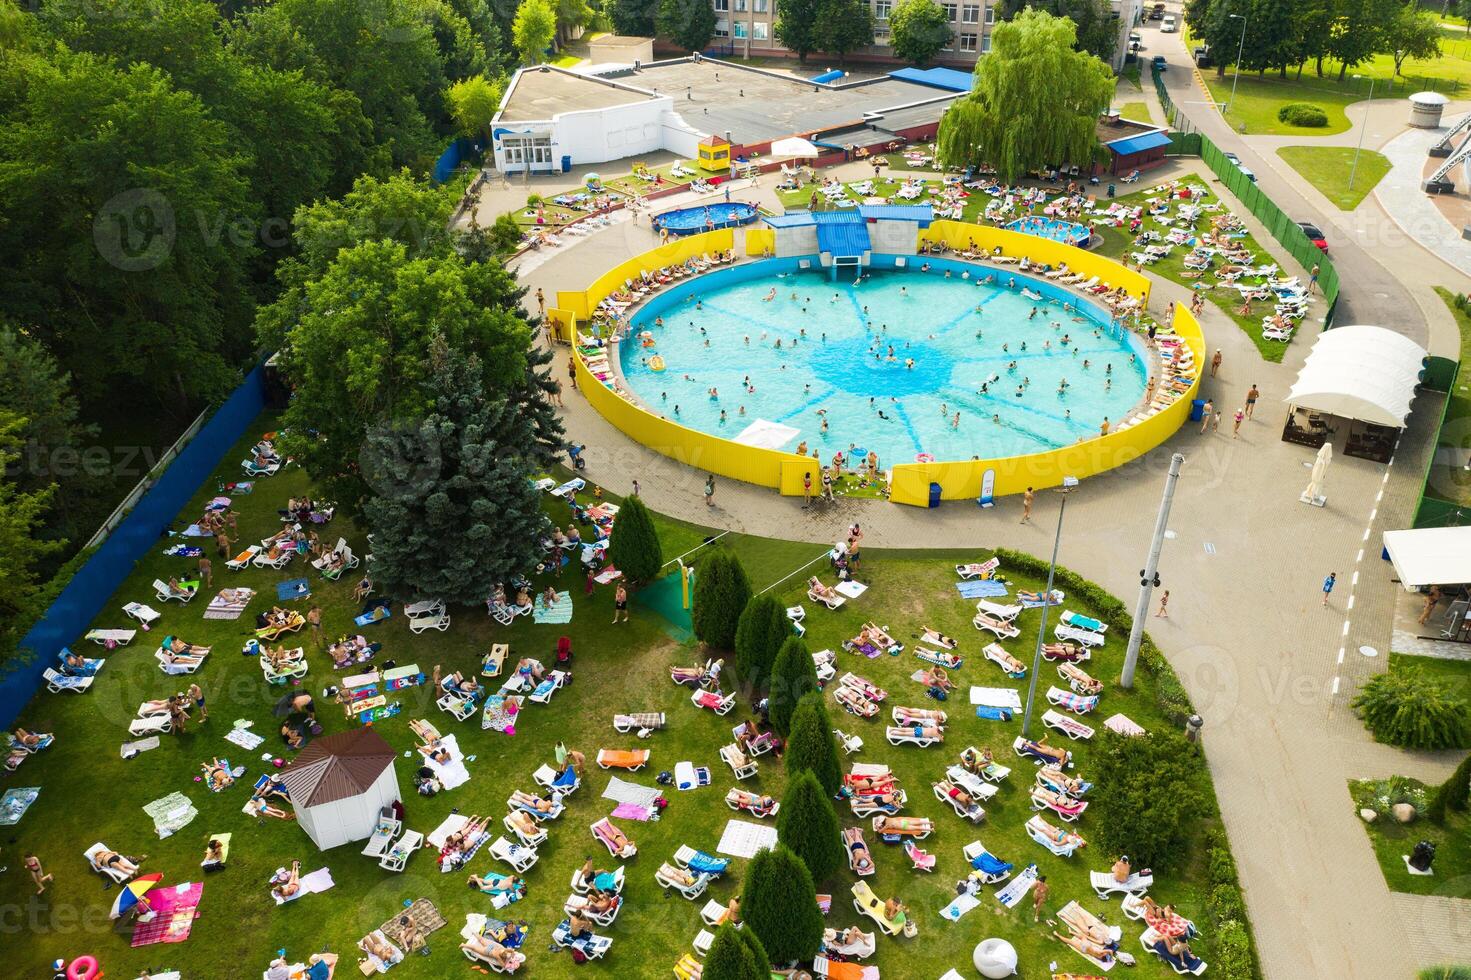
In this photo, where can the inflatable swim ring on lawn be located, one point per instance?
(83, 968)
(924, 458)
(656, 363)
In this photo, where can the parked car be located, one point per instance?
(1245, 170)
(1202, 56)
(1157, 12)
(1169, 25)
(1159, 63)
(1315, 234)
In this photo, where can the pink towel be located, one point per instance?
(175, 910)
(631, 811)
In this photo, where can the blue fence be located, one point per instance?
(456, 153)
(99, 579)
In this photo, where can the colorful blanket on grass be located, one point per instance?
(174, 912)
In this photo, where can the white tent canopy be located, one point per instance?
(794, 146)
(1364, 373)
(1430, 556)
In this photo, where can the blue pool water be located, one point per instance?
(873, 402)
(683, 221)
(1067, 232)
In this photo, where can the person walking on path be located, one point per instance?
(1027, 499)
(1040, 892)
(807, 489)
(1431, 599)
(620, 603)
(1164, 606)
(571, 372)
(38, 874)
(206, 572)
(1236, 429)
(314, 620)
(1215, 362)
(541, 301)
(1205, 420)
(635, 488)
(710, 490)
(1252, 394)
(1313, 278)
(1328, 584)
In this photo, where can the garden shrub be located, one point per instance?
(1381, 795)
(1412, 710)
(1147, 797)
(731, 959)
(1452, 795)
(635, 549)
(1233, 956)
(721, 593)
(808, 825)
(1445, 973)
(779, 903)
(758, 952)
(811, 745)
(1460, 301)
(1226, 904)
(759, 634)
(532, 200)
(1304, 114)
(792, 676)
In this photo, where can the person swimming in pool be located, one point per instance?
(769, 296)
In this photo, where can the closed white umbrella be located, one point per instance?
(1314, 491)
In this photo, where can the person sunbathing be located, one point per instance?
(895, 911)
(864, 639)
(498, 885)
(458, 683)
(1072, 785)
(290, 885)
(936, 677)
(616, 837)
(260, 808)
(342, 655)
(975, 760)
(926, 731)
(858, 857)
(535, 803)
(596, 879)
(940, 639)
(378, 949)
(532, 669)
(76, 665)
(549, 597)
(214, 855)
(1092, 950)
(173, 644)
(685, 675)
(962, 797)
(333, 562)
(522, 823)
(1056, 834)
(279, 657)
(217, 775)
(679, 876)
(600, 904)
(871, 784)
(106, 858)
(158, 706)
(363, 589)
(29, 739)
(759, 803)
(1040, 747)
(438, 752)
(817, 589)
(491, 950)
(902, 825)
(1067, 805)
(177, 589)
(877, 636)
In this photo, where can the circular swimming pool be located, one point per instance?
(766, 354)
(719, 214)
(1054, 229)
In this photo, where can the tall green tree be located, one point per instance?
(534, 29)
(1035, 102)
(1412, 33)
(1270, 36)
(779, 903)
(919, 30)
(1312, 26)
(22, 550)
(844, 26)
(1358, 33)
(634, 549)
(792, 676)
(762, 628)
(798, 26)
(687, 24)
(1097, 25)
(571, 14)
(473, 103)
(808, 825)
(811, 745)
(721, 592)
(634, 18)
(1148, 791)
(453, 510)
(731, 959)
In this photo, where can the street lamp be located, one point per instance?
(1362, 126)
(1069, 484)
(1240, 47)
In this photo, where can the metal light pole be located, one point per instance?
(1365, 125)
(1240, 47)
(1150, 576)
(1069, 483)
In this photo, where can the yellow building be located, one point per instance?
(714, 155)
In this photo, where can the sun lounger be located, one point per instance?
(614, 886)
(831, 602)
(907, 735)
(1071, 653)
(522, 801)
(116, 874)
(1076, 703)
(1025, 749)
(854, 702)
(397, 855)
(916, 828)
(1057, 781)
(720, 704)
(998, 610)
(860, 949)
(111, 638)
(519, 856)
(534, 837)
(971, 783)
(580, 904)
(991, 772)
(1086, 637)
(1105, 884)
(986, 867)
(940, 658)
(1184, 964)
(281, 675)
(1043, 833)
(1084, 622)
(630, 759)
(905, 715)
(460, 706)
(565, 783)
(739, 799)
(251, 469)
(601, 832)
(142, 612)
(740, 764)
(973, 812)
(1079, 680)
(242, 561)
(863, 686)
(385, 831)
(56, 682)
(1003, 629)
(867, 903)
(1009, 664)
(867, 806)
(698, 861)
(494, 662)
(437, 621)
(1070, 727)
(591, 946)
(549, 686)
(671, 877)
(852, 744)
(714, 914)
(1066, 808)
(644, 722)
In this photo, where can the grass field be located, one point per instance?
(1138, 111)
(91, 794)
(1451, 482)
(1392, 840)
(1455, 674)
(1328, 167)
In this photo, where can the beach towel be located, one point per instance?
(296, 588)
(559, 612)
(850, 589)
(980, 589)
(229, 604)
(632, 811)
(993, 714)
(378, 615)
(245, 738)
(1016, 889)
(130, 749)
(15, 803)
(996, 697)
(744, 839)
(171, 813)
(622, 791)
(318, 881)
(500, 713)
(378, 714)
(961, 905)
(422, 914)
(453, 773)
(1124, 725)
(607, 575)
(361, 680)
(1036, 603)
(184, 551)
(174, 912)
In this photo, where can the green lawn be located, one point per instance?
(637, 187)
(1455, 674)
(1138, 111)
(1327, 168)
(90, 794)
(1392, 840)
(1450, 482)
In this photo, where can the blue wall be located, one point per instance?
(85, 596)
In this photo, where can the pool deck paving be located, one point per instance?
(1268, 667)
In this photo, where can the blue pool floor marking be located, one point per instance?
(903, 417)
(810, 406)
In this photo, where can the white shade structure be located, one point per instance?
(1430, 556)
(1360, 372)
(794, 146)
(338, 785)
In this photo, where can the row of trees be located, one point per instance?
(1279, 35)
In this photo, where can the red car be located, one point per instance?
(1315, 234)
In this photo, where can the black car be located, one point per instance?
(1315, 234)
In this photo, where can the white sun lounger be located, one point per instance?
(56, 682)
(1105, 884)
(117, 637)
(669, 878)
(1004, 630)
(142, 612)
(1070, 727)
(1086, 637)
(518, 856)
(437, 621)
(619, 879)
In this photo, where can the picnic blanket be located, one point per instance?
(607, 575)
(996, 697)
(15, 803)
(1016, 889)
(421, 913)
(130, 749)
(980, 589)
(622, 791)
(743, 839)
(318, 881)
(632, 811)
(184, 551)
(1124, 725)
(500, 713)
(961, 905)
(171, 813)
(558, 612)
(296, 588)
(378, 714)
(245, 738)
(229, 603)
(850, 589)
(175, 910)
(452, 773)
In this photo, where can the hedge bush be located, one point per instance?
(1452, 795)
(811, 745)
(808, 825)
(1445, 973)
(1235, 957)
(1146, 792)
(779, 902)
(792, 676)
(635, 549)
(759, 634)
(1304, 114)
(721, 593)
(1412, 710)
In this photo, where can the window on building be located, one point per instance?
(759, 30)
(970, 14)
(881, 39)
(740, 30)
(722, 28)
(759, 6)
(968, 42)
(740, 6)
(722, 5)
(882, 9)
(990, 15)
(950, 11)
(985, 44)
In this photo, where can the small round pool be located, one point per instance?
(1067, 232)
(720, 214)
(906, 363)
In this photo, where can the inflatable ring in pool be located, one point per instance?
(924, 458)
(83, 968)
(656, 363)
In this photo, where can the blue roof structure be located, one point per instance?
(1138, 144)
(944, 78)
(800, 219)
(843, 238)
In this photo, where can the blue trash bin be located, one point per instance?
(1197, 410)
(934, 495)
(566, 163)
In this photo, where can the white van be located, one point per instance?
(1167, 26)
